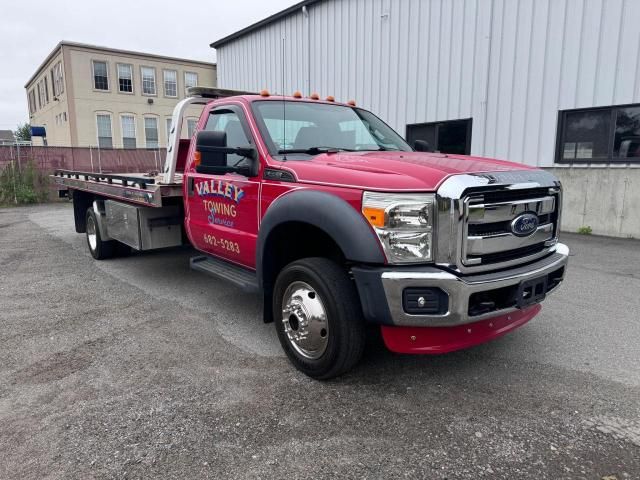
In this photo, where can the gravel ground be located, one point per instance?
(138, 368)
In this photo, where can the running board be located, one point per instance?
(239, 276)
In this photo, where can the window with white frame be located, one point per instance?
(100, 75)
(105, 137)
(168, 122)
(32, 101)
(190, 80)
(57, 83)
(170, 83)
(42, 99)
(59, 78)
(128, 124)
(191, 126)
(151, 132)
(46, 89)
(125, 77)
(148, 80)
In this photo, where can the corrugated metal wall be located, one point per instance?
(508, 64)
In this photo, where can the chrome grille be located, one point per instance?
(487, 236)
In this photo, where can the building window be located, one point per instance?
(151, 132)
(105, 139)
(599, 135)
(148, 80)
(191, 126)
(100, 76)
(32, 102)
(58, 79)
(125, 78)
(41, 97)
(128, 124)
(168, 121)
(53, 85)
(170, 83)
(190, 80)
(46, 89)
(57, 83)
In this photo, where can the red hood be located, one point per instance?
(392, 170)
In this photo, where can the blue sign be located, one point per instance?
(38, 131)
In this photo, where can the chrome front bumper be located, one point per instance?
(390, 284)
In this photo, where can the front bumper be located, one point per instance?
(469, 298)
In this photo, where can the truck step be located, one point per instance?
(241, 277)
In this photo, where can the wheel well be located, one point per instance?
(292, 241)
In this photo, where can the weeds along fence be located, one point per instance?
(24, 169)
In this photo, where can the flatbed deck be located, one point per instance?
(139, 188)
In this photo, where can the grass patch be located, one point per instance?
(586, 230)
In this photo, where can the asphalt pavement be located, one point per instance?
(138, 367)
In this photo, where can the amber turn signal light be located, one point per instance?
(375, 216)
(197, 158)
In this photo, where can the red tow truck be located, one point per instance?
(326, 212)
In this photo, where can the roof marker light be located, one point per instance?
(331, 98)
(352, 103)
(264, 93)
(314, 96)
(297, 94)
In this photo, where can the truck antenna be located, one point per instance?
(284, 106)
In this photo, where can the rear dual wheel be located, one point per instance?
(101, 249)
(318, 317)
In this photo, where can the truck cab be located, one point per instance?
(326, 212)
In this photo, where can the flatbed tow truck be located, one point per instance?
(337, 222)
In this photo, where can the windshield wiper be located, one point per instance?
(315, 150)
(385, 149)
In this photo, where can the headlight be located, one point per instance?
(404, 224)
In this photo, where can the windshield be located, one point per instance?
(306, 129)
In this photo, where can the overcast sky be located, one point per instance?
(30, 30)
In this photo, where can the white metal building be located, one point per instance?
(552, 83)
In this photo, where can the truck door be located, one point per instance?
(222, 210)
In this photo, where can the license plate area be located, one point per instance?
(532, 291)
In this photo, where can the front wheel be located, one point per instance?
(318, 317)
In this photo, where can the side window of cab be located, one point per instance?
(229, 122)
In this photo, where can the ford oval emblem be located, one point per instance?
(524, 225)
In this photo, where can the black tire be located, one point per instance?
(345, 332)
(99, 249)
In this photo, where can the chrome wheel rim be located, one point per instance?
(305, 320)
(92, 236)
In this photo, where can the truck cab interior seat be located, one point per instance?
(308, 137)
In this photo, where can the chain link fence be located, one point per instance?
(88, 159)
(24, 168)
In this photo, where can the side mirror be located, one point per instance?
(211, 148)
(421, 146)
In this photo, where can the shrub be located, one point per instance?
(23, 185)
(585, 230)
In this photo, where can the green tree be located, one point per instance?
(23, 132)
